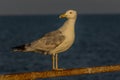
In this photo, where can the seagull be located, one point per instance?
(54, 42)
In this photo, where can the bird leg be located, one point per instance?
(53, 61)
(56, 61)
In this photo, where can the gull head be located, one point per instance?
(70, 14)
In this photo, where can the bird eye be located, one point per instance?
(70, 12)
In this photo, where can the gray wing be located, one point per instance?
(48, 42)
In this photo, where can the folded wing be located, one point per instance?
(46, 43)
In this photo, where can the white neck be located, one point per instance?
(68, 25)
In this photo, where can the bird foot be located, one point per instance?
(57, 69)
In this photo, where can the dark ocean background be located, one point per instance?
(97, 44)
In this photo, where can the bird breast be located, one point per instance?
(66, 44)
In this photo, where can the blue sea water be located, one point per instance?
(97, 43)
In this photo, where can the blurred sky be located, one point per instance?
(21, 7)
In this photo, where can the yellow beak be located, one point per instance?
(62, 16)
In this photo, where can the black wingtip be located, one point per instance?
(18, 48)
